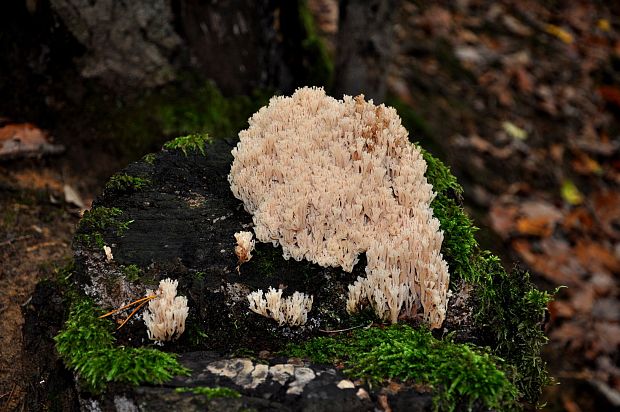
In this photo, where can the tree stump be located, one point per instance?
(172, 215)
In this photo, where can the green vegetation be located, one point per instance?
(98, 219)
(203, 109)
(149, 158)
(510, 311)
(189, 143)
(459, 245)
(122, 182)
(509, 308)
(210, 393)
(140, 123)
(132, 272)
(86, 345)
(460, 374)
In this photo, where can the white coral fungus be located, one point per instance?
(167, 312)
(329, 179)
(291, 311)
(245, 246)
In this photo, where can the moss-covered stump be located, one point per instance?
(172, 215)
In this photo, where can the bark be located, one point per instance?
(364, 47)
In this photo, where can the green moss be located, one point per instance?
(509, 309)
(210, 393)
(189, 143)
(132, 272)
(460, 374)
(459, 246)
(97, 220)
(122, 183)
(149, 158)
(510, 312)
(86, 345)
(142, 122)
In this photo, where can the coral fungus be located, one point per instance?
(330, 179)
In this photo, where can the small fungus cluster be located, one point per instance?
(167, 312)
(245, 246)
(330, 179)
(292, 310)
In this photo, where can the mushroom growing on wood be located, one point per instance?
(244, 248)
(291, 311)
(330, 179)
(167, 312)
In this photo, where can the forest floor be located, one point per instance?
(521, 98)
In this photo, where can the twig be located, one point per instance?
(347, 329)
(132, 313)
(135, 302)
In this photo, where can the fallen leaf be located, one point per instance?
(72, 197)
(514, 131)
(503, 219)
(570, 193)
(578, 219)
(606, 206)
(541, 209)
(585, 165)
(569, 404)
(19, 140)
(553, 260)
(560, 33)
(603, 25)
(596, 257)
(516, 26)
(610, 94)
(539, 226)
(560, 309)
